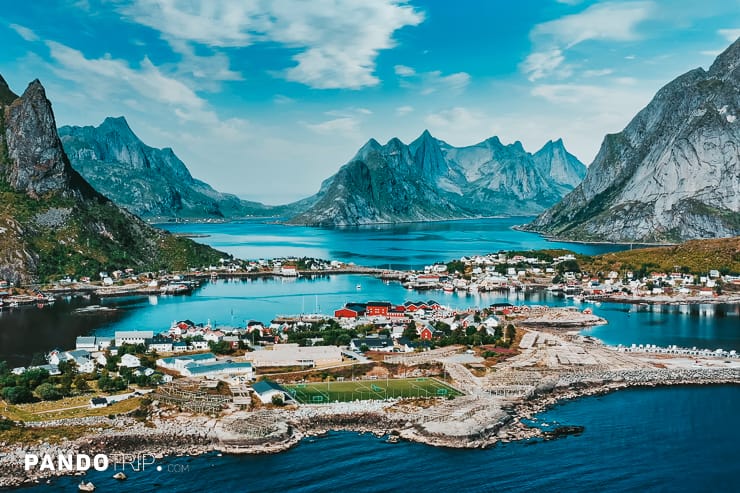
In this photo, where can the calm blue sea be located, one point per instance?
(674, 439)
(399, 246)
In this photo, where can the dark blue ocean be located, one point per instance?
(673, 439)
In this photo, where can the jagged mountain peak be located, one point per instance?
(37, 163)
(429, 179)
(54, 223)
(150, 182)
(671, 174)
(727, 61)
(7, 96)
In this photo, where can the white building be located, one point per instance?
(133, 336)
(130, 361)
(294, 355)
(178, 363)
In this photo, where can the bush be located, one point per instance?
(48, 392)
(17, 395)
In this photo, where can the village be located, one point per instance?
(495, 272)
(415, 371)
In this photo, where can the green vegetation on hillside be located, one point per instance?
(696, 257)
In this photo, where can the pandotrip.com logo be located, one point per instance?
(73, 463)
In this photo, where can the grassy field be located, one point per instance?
(316, 393)
(72, 407)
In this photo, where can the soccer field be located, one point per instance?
(317, 393)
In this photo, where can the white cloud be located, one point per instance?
(24, 32)
(105, 78)
(430, 82)
(605, 21)
(343, 125)
(338, 41)
(404, 110)
(460, 125)
(541, 64)
(404, 71)
(282, 99)
(729, 34)
(598, 73)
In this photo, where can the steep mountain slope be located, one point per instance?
(672, 174)
(429, 179)
(52, 222)
(152, 183)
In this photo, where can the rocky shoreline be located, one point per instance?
(486, 421)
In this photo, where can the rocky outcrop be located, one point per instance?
(52, 221)
(429, 179)
(672, 174)
(152, 183)
(36, 162)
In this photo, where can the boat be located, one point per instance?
(83, 486)
(120, 476)
(358, 287)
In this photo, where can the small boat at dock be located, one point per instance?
(120, 476)
(83, 486)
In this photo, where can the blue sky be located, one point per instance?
(265, 99)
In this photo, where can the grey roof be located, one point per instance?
(132, 334)
(79, 353)
(85, 340)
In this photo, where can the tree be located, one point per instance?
(277, 400)
(81, 384)
(17, 395)
(222, 347)
(410, 331)
(48, 392)
(364, 348)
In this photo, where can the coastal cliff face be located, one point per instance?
(429, 179)
(52, 222)
(152, 183)
(672, 174)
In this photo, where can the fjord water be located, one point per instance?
(232, 302)
(397, 246)
(678, 439)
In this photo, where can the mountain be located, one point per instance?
(152, 183)
(429, 179)
(672, 174)
(52, 222)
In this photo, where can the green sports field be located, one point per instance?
(317, 393)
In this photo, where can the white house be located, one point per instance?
(130, 361)
(265, 390)
(133, 336)
(88, 343)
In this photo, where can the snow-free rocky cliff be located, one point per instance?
(429, 179)
(672, 174)
(52, 222)
(150, 182)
